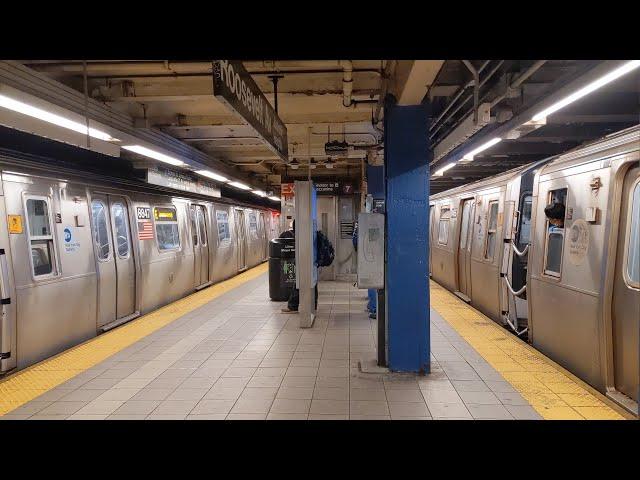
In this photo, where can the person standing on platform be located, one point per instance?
(294, 298)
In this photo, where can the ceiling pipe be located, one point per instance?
(196, 69)
(388, 72)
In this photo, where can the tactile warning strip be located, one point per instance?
(551, 390)
(25, 385)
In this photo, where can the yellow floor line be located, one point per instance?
(27, 384)
(551, 390)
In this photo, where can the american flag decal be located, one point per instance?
(145, 230)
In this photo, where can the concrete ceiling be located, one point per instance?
(176, 97)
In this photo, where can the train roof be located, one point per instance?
(619, 142)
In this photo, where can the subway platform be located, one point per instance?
(228, 353)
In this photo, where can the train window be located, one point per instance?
(100, 229)
(222, 218)
(524, 235)
(443, 226)
(121, 224)
(253, 222)
(40, 237)
(554, 242)
(492, 231)
(167, 232)
(194, 232)
(464, 225)
(633, 248)
(201, 225)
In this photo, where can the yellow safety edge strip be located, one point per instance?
(552, 391)
(25, 385)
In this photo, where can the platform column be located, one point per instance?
(407, 154)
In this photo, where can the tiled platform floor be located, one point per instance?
(238, 357)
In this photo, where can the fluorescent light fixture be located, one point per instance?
(212, 175)
(469, 156)
(147, 152)
(440, 172)
(260, 193)
(587, 89)
(239, 185)
(274, 198)
(35, 112)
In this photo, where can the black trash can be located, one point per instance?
(282, 268)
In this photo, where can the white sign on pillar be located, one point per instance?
(306, 269)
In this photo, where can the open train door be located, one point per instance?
(625, 304)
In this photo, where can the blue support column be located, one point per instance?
(407, 155)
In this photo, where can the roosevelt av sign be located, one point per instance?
(233, 85)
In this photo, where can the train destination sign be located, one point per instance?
(234, 87)
(181, 181)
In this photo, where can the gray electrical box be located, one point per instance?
(371, 250)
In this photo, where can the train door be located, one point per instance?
(116, 263)
(200, 244)
(626, 290)
(241, 239)
(464, 248)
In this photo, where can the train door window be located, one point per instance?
(253, 223)
(443, 226)
(100, 229)
(464, 224)
(40, 237)
(121, 224)
(633, 243)
(524, 235)
(222, 219)
(554, 240)
(167, 231)
(492, 231)
(194, 231)
(201, 225)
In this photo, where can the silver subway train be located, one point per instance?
(82, 255)
(573, 291)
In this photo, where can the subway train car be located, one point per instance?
(81, 254)
(573, 292)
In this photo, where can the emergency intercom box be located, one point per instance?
(371, 250)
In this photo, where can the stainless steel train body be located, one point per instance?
(79, 257)
(574, 290)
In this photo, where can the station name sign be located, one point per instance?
(233, 86)
(180, 181)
